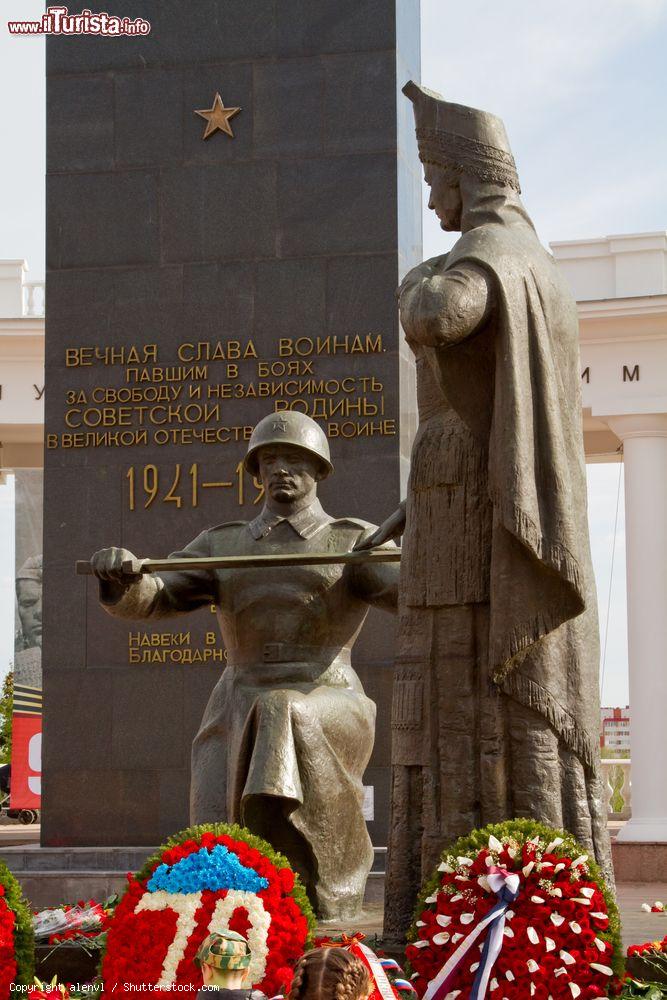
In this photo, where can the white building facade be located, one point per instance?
(21, 368)
(620, 283)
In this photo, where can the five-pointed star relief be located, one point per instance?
(217, 117)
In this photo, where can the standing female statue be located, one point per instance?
(496, 707)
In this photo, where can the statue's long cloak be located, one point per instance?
(516, 384)
(520, 391)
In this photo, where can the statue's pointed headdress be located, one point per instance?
(452, 135)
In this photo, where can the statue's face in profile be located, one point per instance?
(29, 597)
(445, 196)
(288, 473)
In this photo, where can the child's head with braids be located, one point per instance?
(330, 974)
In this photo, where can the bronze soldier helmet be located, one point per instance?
(31, 569)
(292, 428)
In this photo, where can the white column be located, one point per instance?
(12, 273)
(644, 439)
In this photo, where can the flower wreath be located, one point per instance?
(514, 911)
(17, 943)
(208, 878)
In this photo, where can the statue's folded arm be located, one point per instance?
(445, 308)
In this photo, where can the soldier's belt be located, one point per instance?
(289, 652)
(84, 568)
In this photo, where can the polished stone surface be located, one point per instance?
(298, 227)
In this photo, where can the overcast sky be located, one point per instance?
(581, 87)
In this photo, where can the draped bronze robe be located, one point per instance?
(496, 709)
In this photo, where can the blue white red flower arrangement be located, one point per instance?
(204, 879)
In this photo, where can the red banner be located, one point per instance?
(26, 788)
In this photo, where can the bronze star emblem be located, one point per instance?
(280, 425)
(218, 117)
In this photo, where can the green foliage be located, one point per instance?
(523, 830)
(237, 833)
(24, 938)
(6, 715)
(648, 991)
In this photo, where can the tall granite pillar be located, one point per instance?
(193, 285)
(644, 438)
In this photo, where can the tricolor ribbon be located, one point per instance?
(382, 984)
(403, 985)
(506, 887)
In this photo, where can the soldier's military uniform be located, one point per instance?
(288, 731)
(228, 952)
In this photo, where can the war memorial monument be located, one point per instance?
(222, 303)
(195, 285)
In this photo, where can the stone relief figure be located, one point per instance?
(288, 731)
(29, 601)
(496, 708)
(28, 643)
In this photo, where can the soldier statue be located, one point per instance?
(288, 731)
(496, 710)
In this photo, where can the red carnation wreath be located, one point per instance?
(514, 911)
(17, 943)
(208, 878)
(8, 965)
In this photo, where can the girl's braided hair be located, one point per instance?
(329, 974)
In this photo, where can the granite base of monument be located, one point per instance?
(50, 876)
(639, 862)
(54, 875)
